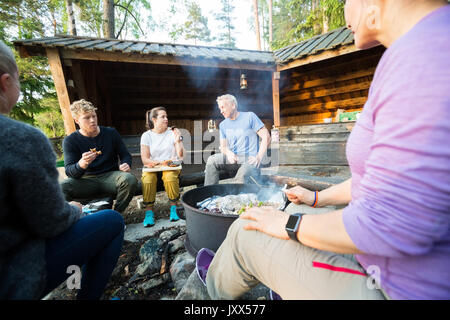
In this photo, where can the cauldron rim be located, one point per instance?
(233, 216)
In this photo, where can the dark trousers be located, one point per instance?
(93, 244)
(122, 185)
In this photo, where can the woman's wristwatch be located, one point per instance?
(293, 224)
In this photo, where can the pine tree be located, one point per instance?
(226, 38)
(196, 26)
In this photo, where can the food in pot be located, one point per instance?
(234, 204)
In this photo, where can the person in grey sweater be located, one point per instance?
(42, 236)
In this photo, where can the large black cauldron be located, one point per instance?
(208, 230)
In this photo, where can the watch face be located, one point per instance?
(292, 222)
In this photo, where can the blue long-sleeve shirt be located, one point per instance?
(108, 141)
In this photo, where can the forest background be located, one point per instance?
(275, 24)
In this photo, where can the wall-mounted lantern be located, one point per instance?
(243, 82)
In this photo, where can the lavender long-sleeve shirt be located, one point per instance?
(399, 155)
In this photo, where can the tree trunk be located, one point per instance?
(108, 19)
(270, 24)
(325, 19)
(316, 11)
(71, 18)
(258, 38)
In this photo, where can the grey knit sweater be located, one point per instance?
(32, 208)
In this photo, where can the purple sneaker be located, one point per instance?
(202, 262)
(274, 295)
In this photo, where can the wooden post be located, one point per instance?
(54, 61)
(276, 98)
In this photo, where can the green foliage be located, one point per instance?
(196, 25)
(50, 121)
(25, 19)
(298, 20)
(226, 38)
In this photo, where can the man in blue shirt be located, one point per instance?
(91, 159)
(241, 150)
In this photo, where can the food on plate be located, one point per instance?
(170, 163)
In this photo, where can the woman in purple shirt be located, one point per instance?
(395, 226)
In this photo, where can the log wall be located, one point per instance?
(310, 93)
(318, 145)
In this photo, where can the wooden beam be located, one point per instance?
(368, 59)
(319, 57)
(276, 98)
(327, 92)
(333, 105)
(157, 59)
(330, 80)
(59, 79)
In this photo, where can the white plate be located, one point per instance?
(161, 168)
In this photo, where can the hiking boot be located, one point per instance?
(149, 220)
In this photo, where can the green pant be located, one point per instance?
(122, 185)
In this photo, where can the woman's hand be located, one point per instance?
(299, 195)
(177, 134)
(152, 164)
(267, 220)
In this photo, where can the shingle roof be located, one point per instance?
(338, 37)
(139, 47)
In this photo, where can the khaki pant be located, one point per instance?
(289, 268)
(171, 185)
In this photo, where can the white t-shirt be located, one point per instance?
(161, 144)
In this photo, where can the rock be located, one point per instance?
(136, 231)
(176, 244)
(153, 283)
(148, 249)
(150, 258)
(166, 235)
(181, 268)
(260, 292)
(194, 289)
(149, 266)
